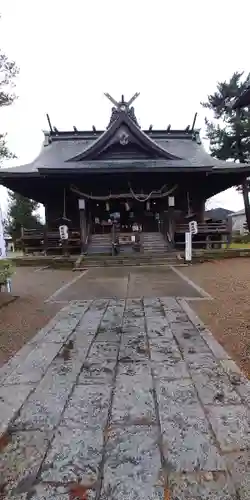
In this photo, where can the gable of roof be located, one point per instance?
(123, 132)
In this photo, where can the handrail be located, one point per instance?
(164, 229)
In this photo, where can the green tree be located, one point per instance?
(21, 210)
(229, 130)
(8, 72)
(21, 213)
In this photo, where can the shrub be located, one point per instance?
(6, 270)
(241, 238)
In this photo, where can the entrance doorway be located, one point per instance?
(126, 213)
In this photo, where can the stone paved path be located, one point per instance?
(124, 399)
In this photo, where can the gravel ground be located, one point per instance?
(228, 316)
(21, 319)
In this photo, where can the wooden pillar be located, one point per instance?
(201, 213)
(83, 224)
(198, 207)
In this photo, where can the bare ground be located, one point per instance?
(228, 316)
(22, 318)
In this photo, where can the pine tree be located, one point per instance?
(8, 72)
(21, 213)
(229, 131)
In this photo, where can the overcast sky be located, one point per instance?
(172, 52)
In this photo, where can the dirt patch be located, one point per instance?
(228, 316)
(6, 298)
(20, 320)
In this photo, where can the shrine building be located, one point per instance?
(111, 185)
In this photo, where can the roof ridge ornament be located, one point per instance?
(122, 106)
(196, 136)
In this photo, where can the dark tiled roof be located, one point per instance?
(173, 150)
(56, 154)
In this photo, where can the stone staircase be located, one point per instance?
(100, 244)
(154, 243)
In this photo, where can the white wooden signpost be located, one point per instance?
(3, 254)
(193, 229)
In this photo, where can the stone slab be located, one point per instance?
(97, 373)
(91, 320)
(214, 387)
(175, 393)
(153, 308)
(197, 362)
(239, 467)
(35, 365)
(243, 389)
(88, 406)
(106, 334)
(207, 486)
(133, 396)
(164, 349)
(188, 444)
(21, 458)
(176, 316)
(134, 348)
(158, 328)
(231, 425)
(75, 454)
(190, 341)
(132, 467)
(11, 400)
(170, 369)
(44, 407)
(170, 303)
(100, 351)
(15, 361)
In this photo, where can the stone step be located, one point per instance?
(100, 242)
(166, 259)
(154, 246)
(132, 263)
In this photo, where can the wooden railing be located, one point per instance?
(210, 235)
(48, 241)
(210, 228)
